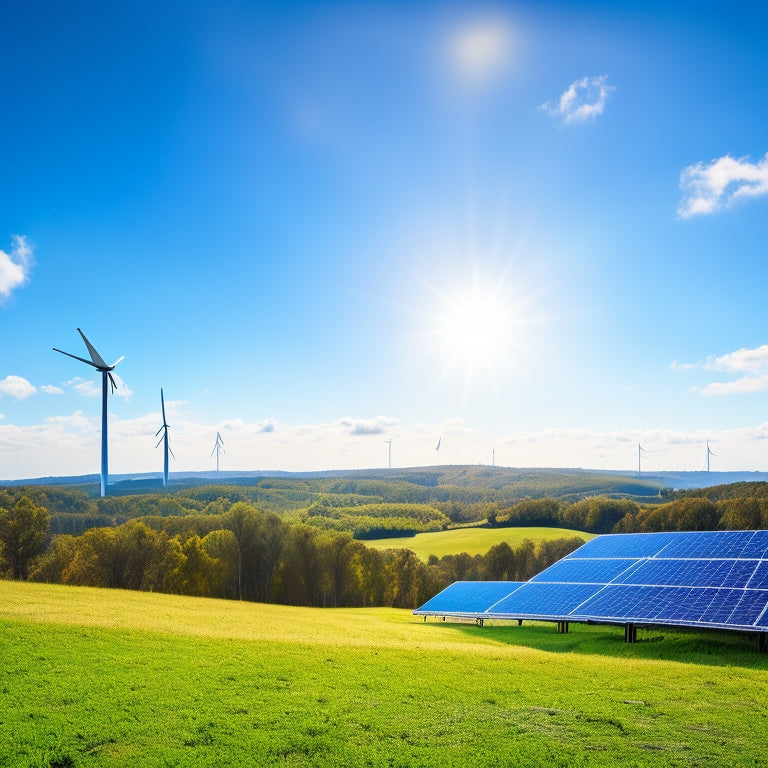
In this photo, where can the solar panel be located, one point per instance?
(700, 579)
(468, 597)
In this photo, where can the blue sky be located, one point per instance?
(533, 231)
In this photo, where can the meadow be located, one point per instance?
(472, 540)
(96, 677)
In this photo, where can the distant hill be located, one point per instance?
(509, 483)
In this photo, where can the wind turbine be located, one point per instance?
(97, 362)
(437, 447)
(164, 440)
(710, 452)
(218, 447)
(389, 453)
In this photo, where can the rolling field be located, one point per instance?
(474, 541)
(94, 677)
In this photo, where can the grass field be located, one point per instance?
(105, 678)
(474, 541)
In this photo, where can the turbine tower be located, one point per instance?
(97, 362)
(709, 453)
(389, 454)
(164, 441)
(640, 452)
(218, 447)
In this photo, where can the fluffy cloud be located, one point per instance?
(583, 100)
(15, 267)
(17, 387)
(49, 389)
(753, 362)
(375, 426)
(711, 187)
(92, 387)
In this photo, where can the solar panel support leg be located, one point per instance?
(562, 627)
(630, 633)
(762, 646)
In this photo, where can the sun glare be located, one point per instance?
(473, 330)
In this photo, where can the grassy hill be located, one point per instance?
(472, 540)
(106, 678)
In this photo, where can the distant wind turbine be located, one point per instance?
(437, 447)
(97, 362)
(164, 441)
(640, 452)
(709, 453)
(218, 447)
(389, 454)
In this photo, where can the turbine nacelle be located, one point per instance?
(96, 361)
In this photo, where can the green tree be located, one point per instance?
(23, 531)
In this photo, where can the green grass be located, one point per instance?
(106, 678)
(474, 541)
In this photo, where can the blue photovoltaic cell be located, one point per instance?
(584, 571)
(748, 609)
(707, 544)
(759, 578)
(757, 546)
(469, 596)
(544, 599)
(691, 573)
(740, 573)
(640, 603)
(635, 545)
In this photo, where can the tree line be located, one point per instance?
(714, 509)
(248, 554)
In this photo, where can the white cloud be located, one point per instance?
(583, 100)
(711, 187)
(17, 387)
(92, 387)
(746, 385)
(376, 426)
(84, 387)
(751, 360)
(49, 389)
(15, 267)
(754, 362)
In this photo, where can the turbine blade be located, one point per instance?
(171, 452)
(159, 431)
(112, 382)
(119, 360)
(81, 359)
(95, 356)
(158, 442)
(162, 404)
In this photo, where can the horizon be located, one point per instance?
(527, 231)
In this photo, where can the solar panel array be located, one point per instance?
(713, 579)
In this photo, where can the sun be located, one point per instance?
(474, 329)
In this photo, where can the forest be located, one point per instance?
(304, 543)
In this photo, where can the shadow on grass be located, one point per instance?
(709, 647)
